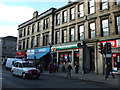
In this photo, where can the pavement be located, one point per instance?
(90, 77)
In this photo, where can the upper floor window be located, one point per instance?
(38, 41)
(57, 37)
(105, 28)
(24, 31)
(33, 28)
(81, 32)
(57, 19)
(81, 10)
(19, 45)
(104, 4)
(20, 33)
(28, 33)
(24, 44)
(92, 30)
(72, 13)
(91, 6)
(46, 23)
(117, 2)
(32, 42)
(45, 40)
(118, 25)
(64, 18)
(27, 45)
(38, 26)
(64, 37)
(72, 34)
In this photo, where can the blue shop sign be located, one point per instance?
(42, 50)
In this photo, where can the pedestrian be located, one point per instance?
(54, 68)
(50, 68)
(69, 67)
(76, 67)
(57, 67)
(109, 70)
(63, 67)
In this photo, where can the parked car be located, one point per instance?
(25, 69)
(10, 61)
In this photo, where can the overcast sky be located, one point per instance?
(15, 12)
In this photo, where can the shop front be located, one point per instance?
(115, 55)
(64, 54)
(39, 56)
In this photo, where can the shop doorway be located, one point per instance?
(92, 59)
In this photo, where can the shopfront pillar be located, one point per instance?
(57, 57)
(72, 58)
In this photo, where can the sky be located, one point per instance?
(15, 12)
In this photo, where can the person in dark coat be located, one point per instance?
(63, 67)
(76, 67)
(54, 68)
(50, 68)
(69, 69)
(109, 70)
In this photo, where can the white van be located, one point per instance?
(10, 61)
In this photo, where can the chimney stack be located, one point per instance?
(69, 1)
(35, 14)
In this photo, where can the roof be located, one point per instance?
(10, 38)
(69, 4)
(42, 15)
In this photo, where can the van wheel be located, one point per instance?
(23, 76)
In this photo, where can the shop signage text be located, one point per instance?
(73, 46)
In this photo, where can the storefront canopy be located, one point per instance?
(40, 52)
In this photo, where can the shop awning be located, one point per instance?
(38, 55)
(39, 52)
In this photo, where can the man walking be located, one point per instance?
(109, 70)
(69, 69)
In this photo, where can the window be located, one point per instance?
(46, 23)
(57, 19)
(19, 45)
(38, 27)
(57, 37)
(33, 28)
(24, 44)
(20, 65)
(81, 10)
(64, 38)
(72, 34)
(105, 28)
(81, 32)
(24, 31)
(64, 16)
(45, 40)
(32, 42)
(91, 6)
(104, 4)
(20, 33)
(92, 30)
(27, 45)
(28, 33)
(72, 13)
(118, 25)
(117, 2)
(38, 41)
